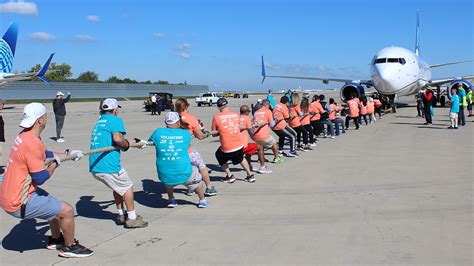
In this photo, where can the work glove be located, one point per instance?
(57, 160)
(142, 143)
(76, 153)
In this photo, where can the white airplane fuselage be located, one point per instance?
(399, 71)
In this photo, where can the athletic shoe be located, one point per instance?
(250, 179)
(172, 203)
(60, 140)
(450, 127)
(314, 144)
(203, 204)
(278, 160)
(229, 179)
(292, 154)
(308, 148)
(264, 170)
(189, 192)
(280, 153)
(456, 128)
(343, 131)
(332, 137)
(55, 243)
(75, 250)
(211, 191)
(136, 223)
(121, 219)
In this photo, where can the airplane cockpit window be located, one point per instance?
(392, 60)
(402, 61)
(380, 60)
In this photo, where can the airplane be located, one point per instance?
(395, 71)
(7, 54)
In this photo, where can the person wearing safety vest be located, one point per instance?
(462, 104)
(470, 100)
(353, 111)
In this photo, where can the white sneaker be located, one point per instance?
(264, 170)
(333, 137)
(61, 140)
(314, 144)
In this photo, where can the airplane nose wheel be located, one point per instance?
(392, 103)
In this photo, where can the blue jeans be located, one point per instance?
(462, 119)
(336, 123)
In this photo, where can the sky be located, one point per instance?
(219, 43)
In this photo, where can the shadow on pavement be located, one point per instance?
(88, 208)
(152, 197)
(26, 236)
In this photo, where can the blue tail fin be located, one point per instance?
(43, 70)
(417, 41)
(263, 71)
(7, 48)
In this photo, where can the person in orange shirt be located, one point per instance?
(295, 123)
(363, 111)
(25, 171)
(194, 127)
(281, 114)
(378, 106)
(251, 148)
(371, 109)
(335, 116)
(319, 117)
(263, 121)
(353, 105)
(226, 125)
(306, 122)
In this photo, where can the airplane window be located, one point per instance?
(402, 61)
(380, 60)
(392, 60)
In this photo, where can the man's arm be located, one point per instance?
(67, 98)
(120, 141)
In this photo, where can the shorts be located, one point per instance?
(251, 149)
(196, 159)
(268, 142)
(119, 182)
(453, 115)
(469, 107)
(40, 205)
(193, 181)
(236, 156)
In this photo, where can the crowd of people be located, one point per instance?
(298, 121)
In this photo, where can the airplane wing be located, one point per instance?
(324, 80)
(27, 76)
(439, 82)
(450, 63)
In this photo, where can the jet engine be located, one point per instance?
(351, 88)
(457, 83)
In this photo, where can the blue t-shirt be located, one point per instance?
(172, 159)
(454, 104)
(102, 136)
(271, 100)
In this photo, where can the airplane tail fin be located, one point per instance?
(7, 48)
(417, 41)
(264, 75)
(43, 70)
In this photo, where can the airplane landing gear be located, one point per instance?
(392, 103)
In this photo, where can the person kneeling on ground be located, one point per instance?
(19, 192)
(172, 159)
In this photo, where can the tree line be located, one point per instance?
(63, 73)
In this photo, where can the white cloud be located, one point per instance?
(159, 35)
(42, 36)
(184, 46)
(85, 38)
(185, 55)
(93, 18)
(19, 7)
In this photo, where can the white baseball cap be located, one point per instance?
(171, 118)
(59, 93)
(109, 104)
(31, 113)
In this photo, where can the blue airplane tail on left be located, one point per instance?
(7, 48)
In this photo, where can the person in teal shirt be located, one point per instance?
(271, 99)
(173, 164)
(453, 112)
(105, 166)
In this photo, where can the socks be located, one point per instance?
(132, 215)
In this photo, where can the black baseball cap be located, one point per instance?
(222, 102)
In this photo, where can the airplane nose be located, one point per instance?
(386, 77)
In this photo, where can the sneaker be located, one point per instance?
(60, 140)
(189, 192)
(55, 244)
(229, 179)
(314, 144)
(136, 223)
(250, 179)
(121, 219)
(211, 191)
(280, 153)
(332, 137)
(172, 203)
(292, 154)
(264, 170)
(203, 204)
(75, 250)
(308, 148)
(278, 160)
(343, 131)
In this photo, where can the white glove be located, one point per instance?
(142, 143)
(57, 160)
(77, 153)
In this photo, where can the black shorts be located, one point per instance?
(236, 156)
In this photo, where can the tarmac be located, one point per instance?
(394, 192)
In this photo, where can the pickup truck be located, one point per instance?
(208, 98)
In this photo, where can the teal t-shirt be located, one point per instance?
(454, 104)
(172, 158)
(102, 136)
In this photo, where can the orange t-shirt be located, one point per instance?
(193, 123)
(263, 115)
(363, 109)
(332, 113)
(305, 119)
(353, 108)
(370, 108)
(245, 123)
(280, 112)
(316, 107)
(27, 155)
(377, 103)
(227, 123)
(295, 114)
